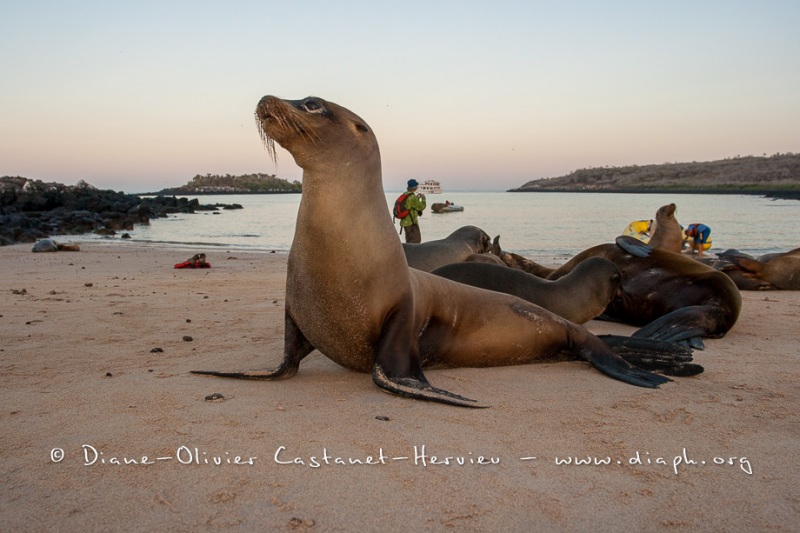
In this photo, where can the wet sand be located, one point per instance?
(105, 429)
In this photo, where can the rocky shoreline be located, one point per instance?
(32, 209)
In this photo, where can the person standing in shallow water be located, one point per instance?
(697, 235)
(415, 203)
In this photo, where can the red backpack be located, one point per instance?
(400, 210)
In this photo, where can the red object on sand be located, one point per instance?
(190, 264)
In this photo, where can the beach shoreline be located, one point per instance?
(106, 429)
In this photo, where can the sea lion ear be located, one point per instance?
(361, 127)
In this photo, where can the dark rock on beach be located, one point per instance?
(32, 209)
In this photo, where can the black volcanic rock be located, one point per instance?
(32, 209)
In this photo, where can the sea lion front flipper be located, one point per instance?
(397, 368)
(295, 348)
(633, 246)
(685, 324)
(669, 358)
(419, 389)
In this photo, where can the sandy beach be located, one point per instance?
(105, 429)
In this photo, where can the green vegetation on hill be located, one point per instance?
(227, 184)
(780, 172)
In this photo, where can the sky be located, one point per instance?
(479, 95)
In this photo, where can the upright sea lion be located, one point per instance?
(351, 295)
(580, 296)
(779, 271)
(673, 297)
(454, 248)
(668, 234)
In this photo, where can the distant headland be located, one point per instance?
(776, 176)
(228, 184)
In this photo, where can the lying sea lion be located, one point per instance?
(777, 271)
(486, 257)
(674, 297)
(580, 296)
(49, 245)
(454, 248)
(351, 295)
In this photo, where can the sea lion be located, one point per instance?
(351, 295)
(49, 245)
(672, 296)
(486, 257)
(454, 248)
(668, 234)
(580, 296)
(776, 271)
(44, 245)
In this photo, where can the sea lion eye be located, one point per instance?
(312, 106)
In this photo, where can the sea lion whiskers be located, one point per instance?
(269, 143)
(288, 119)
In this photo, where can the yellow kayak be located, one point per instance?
(639, 229)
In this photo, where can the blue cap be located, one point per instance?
(412, 183)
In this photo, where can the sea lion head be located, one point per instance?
(314, 130)
(667, 233)
(476, 238)
(666, 212)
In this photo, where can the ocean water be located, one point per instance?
(531, 224)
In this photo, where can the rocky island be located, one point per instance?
(776, 176)
(228, 184)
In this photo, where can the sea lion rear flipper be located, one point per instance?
(615, 366)
(683, 324)
(665, 357)
(295, 348)
(633, 246)
(397, 368)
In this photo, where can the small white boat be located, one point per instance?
(430, 187)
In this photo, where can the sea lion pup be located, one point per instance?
(776, 271)
(351, 295)
(454, 248)
(673, 297)
(668, 234)
(580, 296)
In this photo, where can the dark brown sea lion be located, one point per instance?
(351, 295)
(668, 234)
(454, 248)
(769, 272)
(580, 296)
(673, 297)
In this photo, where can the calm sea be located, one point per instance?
(531, 224)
